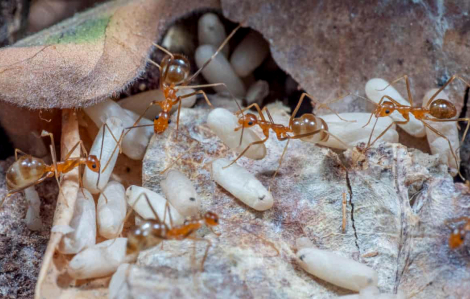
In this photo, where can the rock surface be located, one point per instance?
(397, 202)
(328, 45)
(21, 250)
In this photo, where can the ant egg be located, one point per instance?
(99, 260)
(33, 218)
(352, 133)
(111, 210)
(211, 31)
(375, 93)
(139, 204)
(336, 269)
(242, 184)
(140, 102)
(118, 286)
(180, 192)
(136, 140)
(219, 70)
(109, 153)
(437, 144)
(83, 224)
(223, 123)
(249, 54)
(257, 92)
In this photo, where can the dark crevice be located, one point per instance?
(348, 183)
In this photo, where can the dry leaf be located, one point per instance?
(89, 57)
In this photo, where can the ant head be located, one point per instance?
(386, 109)
(248, 120)
(175, 70)
(211, 219)
(161, 122)
(456, 238)
(93, 163)
(442, 109)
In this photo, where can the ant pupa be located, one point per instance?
(307, 127)
(458, 235)
(28, 171)
(436, 110)
(150, 232)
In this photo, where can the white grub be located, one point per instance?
(158, 203)
(111, 213)
(139, 102)
(257, 92)
(180, 192)
(438, 144)
(136, 140)
(99, 260)
(219, 70)
(242, 184)
(83, 224)
(372, 292)
(211, 31)
(375, 93)
(249, 54)
(352, 133)
(33, 219)
(336, 269)
(118, 286)
(109, 153)
(223, 123)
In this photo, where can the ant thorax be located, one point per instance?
(442, 109)
(309, 123)
(24, 171)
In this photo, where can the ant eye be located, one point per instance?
(387, 111)
(169, 121)
(250, 123)
(93, 166)
(156, 117)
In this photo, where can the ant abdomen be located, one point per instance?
(24, 171)
(442, 109)
(148, 234)
(309, 123)
(175, 70)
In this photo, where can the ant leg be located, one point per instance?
(212, 57)
(167, 210)
(150, 205)
(11, 192)
(457, 163)
(178, 118)
(244, 151)
(280, 163)
(456, 120)
(267, 113)
(82, 147)
(118, 144)
(17, 150)
(320, 105)
(408, 89)
(463, 218)
(444, 86)
(209, 244)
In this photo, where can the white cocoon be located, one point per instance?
(249, 54)
(111, 214)
(437, 144)
(118, 286)
(257, 92)
(139, 102)
(219, 70)
(223, 123)
(242, 184)
(211, 31)
(99, 260)
(83, 224)
(180, 192)
(336, 269)
(375, 93)
(33, 219)
(141, 207)
(90, 178)
(136, 140)
(351, 133)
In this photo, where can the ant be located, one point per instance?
(457, 237)
(436, 110)
(28, 171)
(151, 232)
(308, 127)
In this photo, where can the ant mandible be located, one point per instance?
(308, 125)
(28, 171)
(440, 110)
